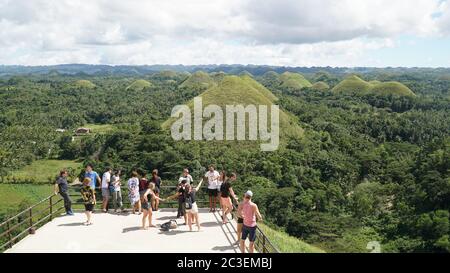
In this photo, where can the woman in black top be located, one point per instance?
(192, 212)
(226, 191)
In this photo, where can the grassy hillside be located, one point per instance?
(13, 195)
(354, 84)
(286, 243)
(139, 85)
(234, 90)
(293, 81)
(321, 86)
(43, 170)
(84, 84)
(198, 80)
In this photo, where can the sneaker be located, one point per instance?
(70, 213)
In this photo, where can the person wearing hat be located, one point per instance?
(251, 214)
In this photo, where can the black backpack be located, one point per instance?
(188, 201)
(169, 225)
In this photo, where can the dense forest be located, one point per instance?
(370, 166)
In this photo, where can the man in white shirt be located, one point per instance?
(213, 176)
(186, 176)
(106, 179)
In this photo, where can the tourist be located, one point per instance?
(143, 183)
(226, 192)
(157, 181)
(106, 179)
(88, 195)
(212, 175)
(133, 193)
(146, 207)
(62, 187)
(116, 191)
(191, 205)
(186, 176)
(180, 195)
(222, 178)
(240, 222)
(250, 213)
(92, 175)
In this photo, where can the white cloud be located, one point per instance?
(282, 32)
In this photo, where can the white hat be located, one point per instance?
(249, 193)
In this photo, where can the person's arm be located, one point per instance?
(258, 214)
(199, 185)
(93, 195)
(56, 188)
(234, 195)
(239, 209)
(173, 196)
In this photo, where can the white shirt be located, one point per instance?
(188, 178)
(105, 180)
(213, 178)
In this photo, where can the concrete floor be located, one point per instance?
(121, 233)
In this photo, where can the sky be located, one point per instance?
(375, 33)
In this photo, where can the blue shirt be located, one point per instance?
(93, 176)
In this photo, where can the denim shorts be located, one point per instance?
(249, 232)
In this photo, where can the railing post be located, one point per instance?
(264, 243)
(31, 221)
(9, 234)
(51, 207)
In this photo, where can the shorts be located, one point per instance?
(105, 192)
(212, 192)
(89, 207)
(249, 232)
(194, 208)
(145, 205)
(240, 220)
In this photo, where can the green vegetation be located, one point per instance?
(198, 80)
(43, 171)
(286, 243)
(84, 84)
(139, 85)
(294, 81)
(15, 196)
(366, 167)
(320, 86)
(354, 84)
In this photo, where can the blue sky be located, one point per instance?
(274, 32)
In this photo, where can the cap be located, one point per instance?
(249, 193)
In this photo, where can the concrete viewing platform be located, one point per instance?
(122, 233)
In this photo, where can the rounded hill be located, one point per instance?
(139, 85)
(295, 81)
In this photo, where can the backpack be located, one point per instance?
(172, 224)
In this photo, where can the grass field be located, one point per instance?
(286, 243)
(42, 170)
(100, 128)
(13, 195)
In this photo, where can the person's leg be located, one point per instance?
(179, 212)
(114, 200)
(252, 235)
(139, 206)
(157, 201)
(144, 218)
(89, 216)
(210, 200)
(251, 247)
(197, 221)
(189, 216)
(150, 218)
(239, 232)
(242, 246)
(67, 202)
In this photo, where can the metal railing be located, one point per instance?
(27, 221)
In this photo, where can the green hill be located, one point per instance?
(295, 81)
(321, 86)
(85, 84)
(234, 90)
(198, 80)
(354, 84)
(139, 85)
(218, 76)
(246, 73)
(396, 88)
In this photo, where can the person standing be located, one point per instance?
(93, 176)
(212, 175)
(88, 195)
(186, 176)
(62, 187)
(240, 222)
(106, 179)
(192, 211)
(146, 206)
(133, 193)
(251, 214)
(222, 178)
(157, 181)
(116, 191)
(226, 192)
